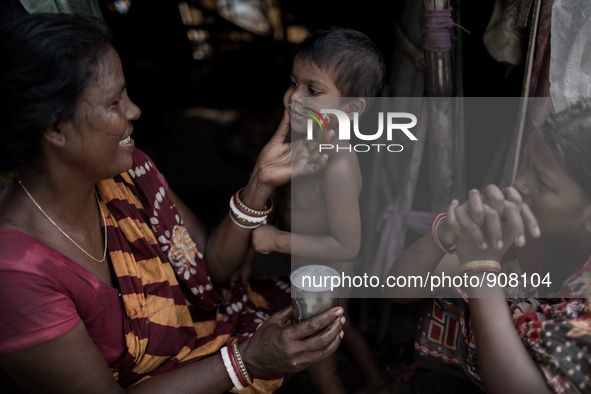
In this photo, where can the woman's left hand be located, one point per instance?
(280, 161)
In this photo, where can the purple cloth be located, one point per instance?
(436, 28)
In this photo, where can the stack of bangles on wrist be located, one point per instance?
(240, 211)
(478, 266)
(235, 367)
(434, 226)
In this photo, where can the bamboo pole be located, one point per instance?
(438, 83)
(512, 161)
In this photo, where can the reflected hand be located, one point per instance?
(486, 225)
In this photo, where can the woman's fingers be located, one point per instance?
(514, 223)
(494, 227)
(322, 345)
(314, 145)
(281, 317)
(494, 197)
(314, 324)
(475, 207)
(469, 226)
(530, 221)
(320, 164)
(283, 129)
(511, 194)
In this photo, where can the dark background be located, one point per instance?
(205, 160)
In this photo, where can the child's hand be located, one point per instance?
(264, 239)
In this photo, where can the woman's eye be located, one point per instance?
(542, 184)
(294, 84)
(312, 91)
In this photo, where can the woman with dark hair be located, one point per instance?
(533, 335)
(108, 282)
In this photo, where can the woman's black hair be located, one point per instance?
(47, 61)
(567, 135)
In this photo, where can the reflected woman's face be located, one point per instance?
(556, 200)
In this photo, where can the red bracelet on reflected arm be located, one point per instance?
(434, 226)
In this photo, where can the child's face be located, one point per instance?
(307, 81)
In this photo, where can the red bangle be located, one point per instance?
(478, 270)
(436, 240)
(236, 368)
(245, 211)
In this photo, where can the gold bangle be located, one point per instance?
(478, 264)
(241, 365)
(250, 210)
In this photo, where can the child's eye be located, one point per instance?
(312, 91)
(293, 84)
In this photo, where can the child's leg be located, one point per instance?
(324, 377)
(359, 352)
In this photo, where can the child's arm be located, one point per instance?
(341, 184)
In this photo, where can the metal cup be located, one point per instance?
(310, 297)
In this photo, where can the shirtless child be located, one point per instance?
(318, 216)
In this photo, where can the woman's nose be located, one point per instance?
(134, 112)
(521, 185)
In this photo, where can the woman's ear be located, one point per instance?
(358, 105)
(55, 134)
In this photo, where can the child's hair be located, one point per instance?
(355, 62)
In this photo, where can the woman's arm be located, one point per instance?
(278, 162)
(424, 257)
(72, 363)
(421, 258)
(505, 364)
(341, 185)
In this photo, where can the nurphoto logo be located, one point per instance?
(345, 129)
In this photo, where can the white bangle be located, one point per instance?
(245, 217)
(230, 368)
(242, 225)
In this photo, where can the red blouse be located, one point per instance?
(44, 295)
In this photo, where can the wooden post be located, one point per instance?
(438, 83)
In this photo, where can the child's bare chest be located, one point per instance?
(303, 209)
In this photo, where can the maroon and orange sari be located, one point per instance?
(175, 316)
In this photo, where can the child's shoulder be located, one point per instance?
(342, 164)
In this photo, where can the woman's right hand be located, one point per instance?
(493, 201)
(279, 161)
(281, 346)
(486, 225)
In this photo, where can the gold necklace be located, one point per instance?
(62, 231)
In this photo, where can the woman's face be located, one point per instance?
(98, 137)
(556, 200)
